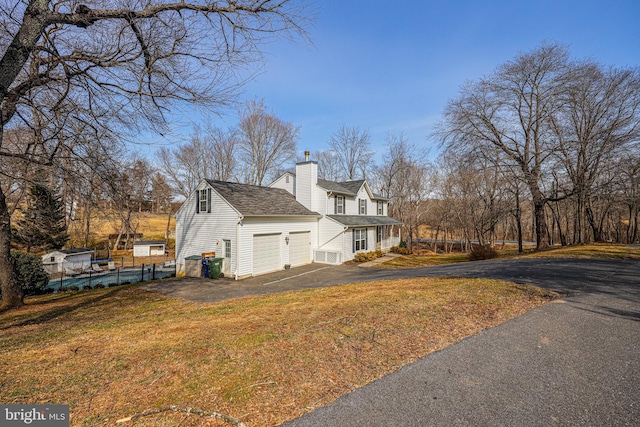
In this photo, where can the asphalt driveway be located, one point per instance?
(572, 362)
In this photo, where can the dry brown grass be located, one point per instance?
(597, 250)
(114, 352)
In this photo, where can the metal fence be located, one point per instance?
(113, 277)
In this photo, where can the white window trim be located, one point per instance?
(380, 207)
(339, 205)
(227, 254)
(359, 239)
(362, 206)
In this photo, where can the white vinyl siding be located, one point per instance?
(299, 248)
(196, 234)
(286, 182)
(330, 236)
(266, 253)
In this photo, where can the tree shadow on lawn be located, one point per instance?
(65, 309)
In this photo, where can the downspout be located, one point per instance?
(238, 225)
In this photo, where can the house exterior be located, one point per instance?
(297, 220)
(255, 229)
(353, 219)
(70, 259)
(149, 248)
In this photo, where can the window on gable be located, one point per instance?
(362, 204)
(227, 248)
(53, 259)
(380, 207)
(339, 205)
(203, 201)
(359, 239)
(286, 178)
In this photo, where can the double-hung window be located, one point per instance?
(359, 239)
(380, 207)
(203, 200)
(339, 205)
(362, 206)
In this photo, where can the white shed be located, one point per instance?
(69, 259)
(149, 248)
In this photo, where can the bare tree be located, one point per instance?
(600, 115)
(353, 148)
(404, 177)
(115, 67)
(208, 155)
(265, 142)
(329, 165)
(510, 111)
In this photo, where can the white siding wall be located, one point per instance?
(306, 180)
(323, 204)
(351, 206)
(330, 235)
(205, 232)
(252, 226)
(282, 183)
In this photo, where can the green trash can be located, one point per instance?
(215, 267)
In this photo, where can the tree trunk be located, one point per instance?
(12, 294)
(541, 224)
(519, 223)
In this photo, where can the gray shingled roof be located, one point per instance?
(253, 200)
(364, 220)
(336, 187)
(348, 188)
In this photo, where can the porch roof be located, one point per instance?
(364, 220)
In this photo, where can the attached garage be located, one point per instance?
(299, 248)
(266, 253)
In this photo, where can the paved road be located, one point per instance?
(575, 362)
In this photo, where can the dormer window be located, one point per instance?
(362, 206)
(339, 205)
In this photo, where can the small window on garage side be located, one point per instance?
(227, 248)
(203, 201)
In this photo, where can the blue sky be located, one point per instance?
(391, 66)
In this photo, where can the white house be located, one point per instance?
(297, 220)
(149, 248)
(67, 259)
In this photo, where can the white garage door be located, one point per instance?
(299, 244)
(266, 253)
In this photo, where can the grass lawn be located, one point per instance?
(598, 250)
(115, 352)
